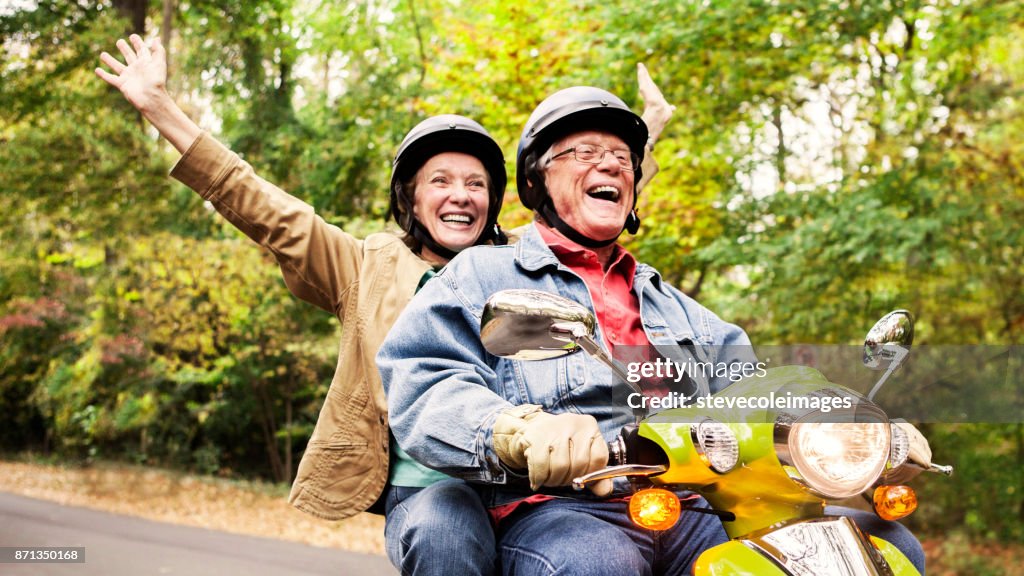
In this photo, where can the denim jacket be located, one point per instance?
(444, 390)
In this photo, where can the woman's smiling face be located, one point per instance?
(451, 198)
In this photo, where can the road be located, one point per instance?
(122, 545)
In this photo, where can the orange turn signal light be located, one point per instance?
(894, 502)
(654, 509)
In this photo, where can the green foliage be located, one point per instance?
(828, 161)
(986, 457)
(958, 555)
(185, 345)
(249, 52)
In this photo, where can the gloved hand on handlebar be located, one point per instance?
(553, 448)
(920, 455)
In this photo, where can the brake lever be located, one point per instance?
(618, 472)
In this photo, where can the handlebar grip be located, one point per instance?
(617, 455)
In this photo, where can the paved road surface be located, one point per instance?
(122, 545)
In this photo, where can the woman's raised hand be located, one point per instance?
(657, 110)
(142, 77)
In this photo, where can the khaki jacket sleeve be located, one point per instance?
(319, 261)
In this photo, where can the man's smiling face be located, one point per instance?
(594, 199)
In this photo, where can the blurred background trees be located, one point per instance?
(828, 161)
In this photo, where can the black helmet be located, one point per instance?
(446, 133)
(564, 112)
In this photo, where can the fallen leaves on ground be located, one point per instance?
(240, 507)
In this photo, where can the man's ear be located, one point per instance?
(534, 177)
(530, 168)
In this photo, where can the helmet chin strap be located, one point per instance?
(418, 232)
(547, 210)
(632, 221)
(427, 240)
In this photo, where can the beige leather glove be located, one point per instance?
(920, 454)
(553, 448)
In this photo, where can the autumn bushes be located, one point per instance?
(174, 350)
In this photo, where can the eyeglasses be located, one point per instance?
(594, 154)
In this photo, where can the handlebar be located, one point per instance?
(939, 469)
(617, 472)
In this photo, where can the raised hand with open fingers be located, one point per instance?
(142, 77)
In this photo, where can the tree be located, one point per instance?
(828, 162)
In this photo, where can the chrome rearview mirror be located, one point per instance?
(895, 330)
(533, 325)
(889, 341)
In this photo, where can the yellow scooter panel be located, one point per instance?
(899, 563)
(733, 559)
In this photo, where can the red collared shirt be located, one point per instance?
(616, 305)
(611, 290)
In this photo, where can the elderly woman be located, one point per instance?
(446, 190)
(447, 185)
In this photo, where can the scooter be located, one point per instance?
(767, 468)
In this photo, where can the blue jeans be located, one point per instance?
(574, 537)
(578, 537)
(442, 529)
(892, 532)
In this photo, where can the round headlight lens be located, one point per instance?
(839, 459)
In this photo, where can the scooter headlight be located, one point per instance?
(839, 459)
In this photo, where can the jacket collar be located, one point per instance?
(644, 273)
(532, 254)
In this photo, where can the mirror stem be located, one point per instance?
(898, 354)
(591, 347)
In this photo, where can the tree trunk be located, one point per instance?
(269, 431)
(419, 41)
(288, 438)
(694, 290)
(135, 12)
(780, 149)
(166, 32)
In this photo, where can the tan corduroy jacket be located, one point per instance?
(365, 283)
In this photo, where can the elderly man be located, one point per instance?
(472, 415)
(525, 429)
